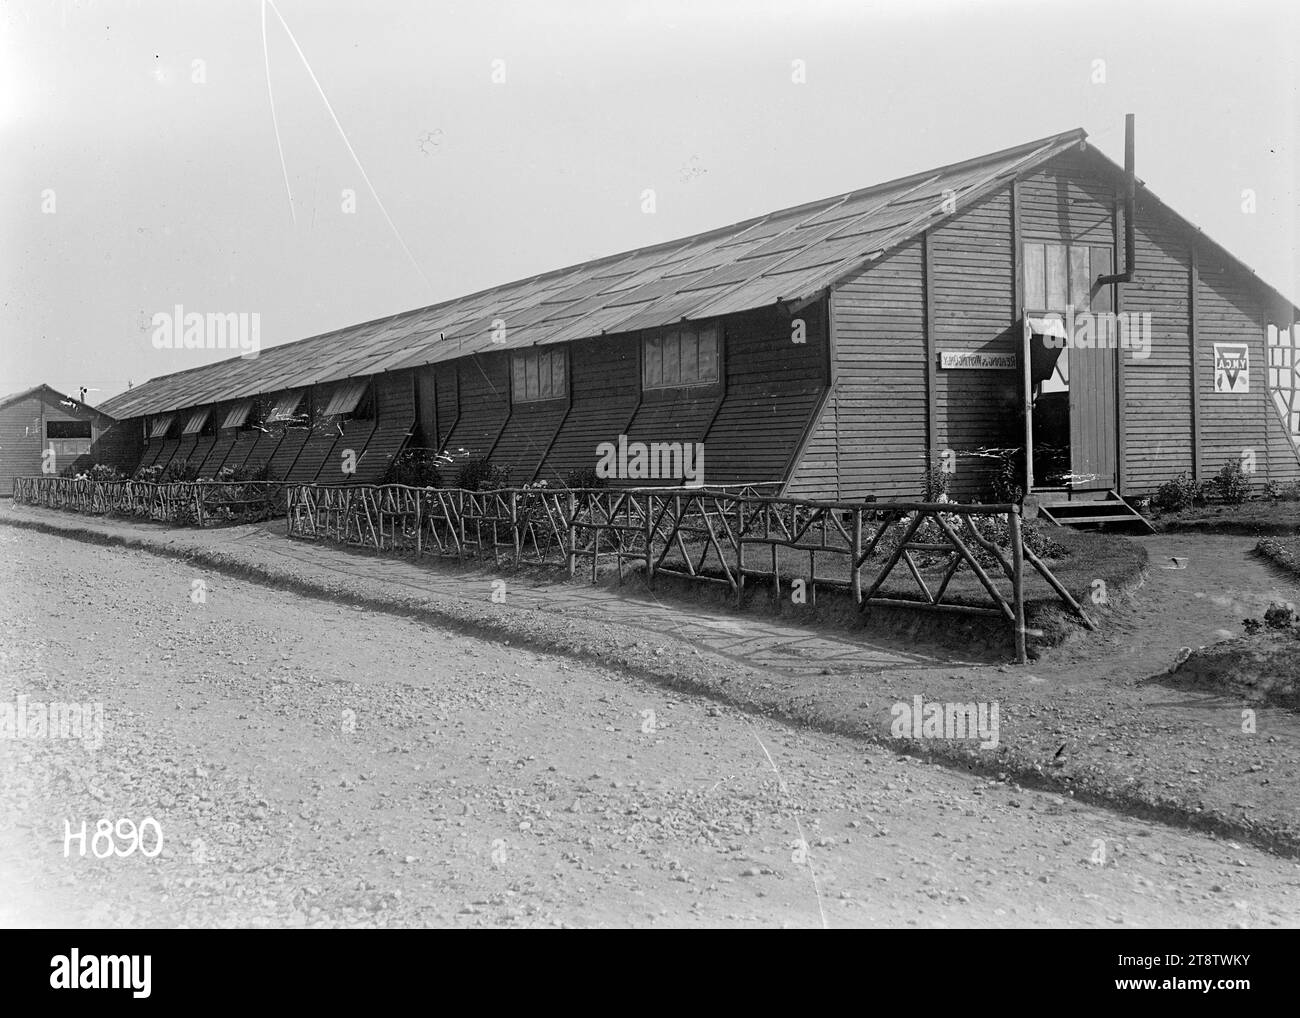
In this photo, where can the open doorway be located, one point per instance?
(1069, 360)
(1049, 400)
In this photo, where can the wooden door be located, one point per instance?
(1094, 439)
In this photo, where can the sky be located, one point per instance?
(462, 145)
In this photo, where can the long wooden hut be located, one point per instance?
(839, 349)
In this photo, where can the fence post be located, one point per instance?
(465, 500)
(572, 536)
(419, 521)
(648, 506)
(519, 537)
(776, 565)
(740, 551)
(855, 571)
(1018, 581)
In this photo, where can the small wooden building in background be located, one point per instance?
(43, 431)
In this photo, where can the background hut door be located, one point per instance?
(1094, 435)
(1070, 389)
(1092, 419)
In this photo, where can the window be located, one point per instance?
(680, 356)
(196, 422)
(67, 429)
(346, 397)
(286, 407)
(1061, 275)
(161, 426)
(539, 374)
(237, 415)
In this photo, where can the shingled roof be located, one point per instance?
(783, 256)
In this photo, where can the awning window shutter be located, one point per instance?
(346, 397)
(161, 425)
(195, 424)
(285, 407)
(237, 414)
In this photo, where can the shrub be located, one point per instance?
(95, 472)
(243, 503)
(246, 473)
(480, 475)
(585, 478)
(1279, 616)
(1034, 534)
(1178, 494)
(1005, 486)
(1231, 483)
(417, 468)
(179, 470)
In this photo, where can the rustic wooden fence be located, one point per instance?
(727, 537)
(189, 503)
(708, 536)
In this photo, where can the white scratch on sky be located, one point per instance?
(351, 151)
(275, 123)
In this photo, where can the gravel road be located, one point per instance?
(314, 764)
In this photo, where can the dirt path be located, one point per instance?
(311, 763)
(1199, 588)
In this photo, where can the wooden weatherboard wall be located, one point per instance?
(972, 296)
(870, 437)
(604, 392)
(1232, 425)
(893, 409)
(772, 388)
(1159, 393)
(958, 289)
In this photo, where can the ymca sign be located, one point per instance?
(1231, 368)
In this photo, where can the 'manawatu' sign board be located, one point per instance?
(1231, 367)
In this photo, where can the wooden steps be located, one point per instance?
(1093, 510)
